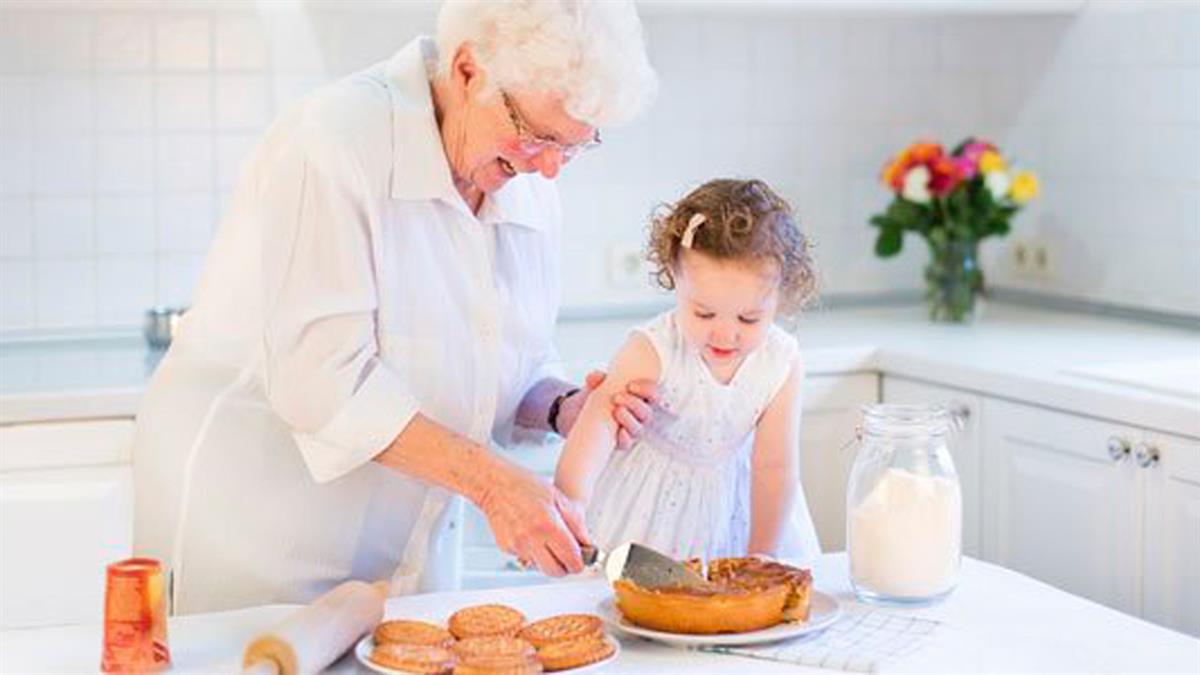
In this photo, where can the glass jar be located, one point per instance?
(904, 507)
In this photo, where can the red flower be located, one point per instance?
(944, 173)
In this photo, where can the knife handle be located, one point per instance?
(590, 553)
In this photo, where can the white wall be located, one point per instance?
(1108, 110)
(121, 133)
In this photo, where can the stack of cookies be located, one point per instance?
(492, 640)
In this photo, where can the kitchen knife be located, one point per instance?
(643, 566)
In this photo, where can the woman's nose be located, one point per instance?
(549, 162)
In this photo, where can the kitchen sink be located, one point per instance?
(1174, 377)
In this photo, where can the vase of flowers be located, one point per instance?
(954, 200)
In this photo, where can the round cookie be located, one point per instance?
(421, 659)
(494, 646)
(485, 620)
(405, 632)
(562, 628)
(575, 653)
(498, 665)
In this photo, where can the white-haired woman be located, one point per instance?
(378, 304)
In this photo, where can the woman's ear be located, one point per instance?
(465, 72)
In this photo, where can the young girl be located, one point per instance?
(717, 471)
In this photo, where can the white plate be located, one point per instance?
(823, 611)
(363, 649)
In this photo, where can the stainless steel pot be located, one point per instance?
(161, 324)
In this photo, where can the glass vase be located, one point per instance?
(953, 280)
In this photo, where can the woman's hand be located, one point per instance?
(533, 520)
(632, 408)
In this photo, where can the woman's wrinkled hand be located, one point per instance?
(632, 408)
(533, 520)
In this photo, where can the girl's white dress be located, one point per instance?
(684, 487)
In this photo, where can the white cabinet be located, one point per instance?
(1171, 576)
(1059, 505)
(964, 442)
(66, 511)
(832, 411)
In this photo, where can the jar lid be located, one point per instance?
(904, 419)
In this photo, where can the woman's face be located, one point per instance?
(724, 307)
(489, 139)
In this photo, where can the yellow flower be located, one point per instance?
(991, 161)
(1024, 187)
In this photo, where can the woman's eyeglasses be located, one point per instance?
(533, 144)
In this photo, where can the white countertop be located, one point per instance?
(1014, 352)
(997, 621)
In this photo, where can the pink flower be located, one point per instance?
(966, 166)
(967, 159)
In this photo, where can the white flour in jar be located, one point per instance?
(906, 536)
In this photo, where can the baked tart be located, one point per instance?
(742, 594)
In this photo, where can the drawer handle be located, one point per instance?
(1146, 455)
(1118, 448)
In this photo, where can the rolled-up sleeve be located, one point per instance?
(323, 373)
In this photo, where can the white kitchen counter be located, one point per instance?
(997, 621)
(1014, 352)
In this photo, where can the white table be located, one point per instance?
(996, 621)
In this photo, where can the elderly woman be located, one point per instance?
(378, 303)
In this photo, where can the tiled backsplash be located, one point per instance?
(121, 133)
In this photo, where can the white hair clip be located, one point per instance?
(689, 234)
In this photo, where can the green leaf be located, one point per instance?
(881, 221)
(889, 242)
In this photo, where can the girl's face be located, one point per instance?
(724, 307)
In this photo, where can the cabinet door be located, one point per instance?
(66, 511)
(964, 444)
(1057, 506)
(60, 528)
(832, 406)
(1171, 583)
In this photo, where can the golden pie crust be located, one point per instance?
(745, 594)
(486, 620)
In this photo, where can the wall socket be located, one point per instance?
(1032, 258)
(627, 268)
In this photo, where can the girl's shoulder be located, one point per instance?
(664, 335)
(781, 345)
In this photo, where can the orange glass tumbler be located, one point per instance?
(135, 618)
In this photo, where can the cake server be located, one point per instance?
(643, 566)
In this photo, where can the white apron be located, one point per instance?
(348, 289)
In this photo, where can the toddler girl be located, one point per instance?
(716, 473)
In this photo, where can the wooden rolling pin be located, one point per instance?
(315, 636)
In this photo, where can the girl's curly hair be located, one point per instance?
(744, 221)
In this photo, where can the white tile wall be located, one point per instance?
(1107, 107)
(122, 133)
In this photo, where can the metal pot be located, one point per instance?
(161, 324)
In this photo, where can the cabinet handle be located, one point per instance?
(1146, 455)
(1118, 448)
(959, 414)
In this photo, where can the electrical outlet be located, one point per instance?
(1032, 259)
(627, 267)
(1018, 254)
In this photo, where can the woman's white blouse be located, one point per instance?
(348, 288)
